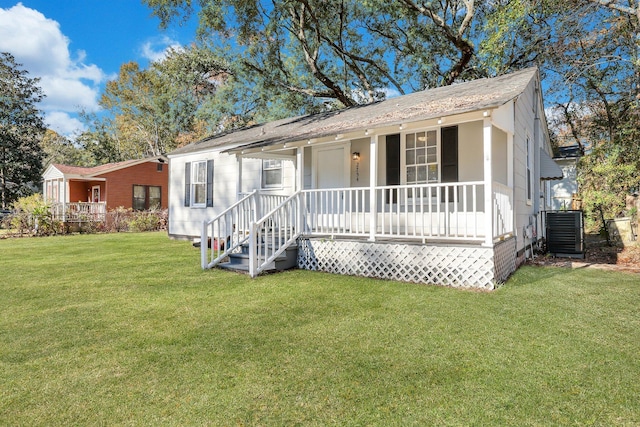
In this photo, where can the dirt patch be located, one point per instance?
(598, 254)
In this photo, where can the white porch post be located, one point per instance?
(510, 179)
(64, 199)
(299, 168)
(239, 183)
(488, 182)
(299, 186)
(373, 181)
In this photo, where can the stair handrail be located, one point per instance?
(234, 234)
(278, 229)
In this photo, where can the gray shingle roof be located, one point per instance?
(439, 102)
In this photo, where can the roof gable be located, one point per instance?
(438, 102)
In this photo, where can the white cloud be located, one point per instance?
(157, 48)
(39, 45)
(63, 123)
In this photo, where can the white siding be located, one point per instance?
(360, 169)
(499, 155)
(525, 124)
(470, 151)
(187, 221)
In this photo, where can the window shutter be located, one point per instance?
(449, 154)
(187, 184)
(393, 166)
(209, 183)
(449, 158)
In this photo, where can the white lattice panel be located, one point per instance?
(504, 259)
(458, 266)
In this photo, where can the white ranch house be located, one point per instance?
(441, 186)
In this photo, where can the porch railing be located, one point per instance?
(502, 210)
(426, 211)
(228, 231)
(272, 234)
(79, 211)
(445, 211)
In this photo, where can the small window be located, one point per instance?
(199, 184)
(146, 197)
(159, 167)
(271, 173)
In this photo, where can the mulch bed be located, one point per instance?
(598, 254)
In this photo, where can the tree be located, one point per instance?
(149, 111)
(21, 127)
(59, 149)
(318, 54)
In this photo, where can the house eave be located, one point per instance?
(359, 132)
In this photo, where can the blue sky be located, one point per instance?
(75, 46)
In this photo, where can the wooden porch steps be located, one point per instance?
(240, 261)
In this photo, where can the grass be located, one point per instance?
(125, 329)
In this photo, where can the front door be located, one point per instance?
(95, 193)
(331, 171)
(331, 167)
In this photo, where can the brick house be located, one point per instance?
(76, 193)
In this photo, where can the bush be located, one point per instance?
(605, 179)
(32, 215)
(148, 220)
(117, 220)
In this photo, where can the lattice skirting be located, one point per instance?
(504, 256)
(450, 265)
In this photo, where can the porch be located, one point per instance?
(79, 211)
(378, 232)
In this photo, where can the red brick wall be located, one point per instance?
(78, 191)
(119, 185)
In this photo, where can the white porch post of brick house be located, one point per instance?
(64, 199)
(488, 182)
(373, 181)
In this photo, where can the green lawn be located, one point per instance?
(126, 329)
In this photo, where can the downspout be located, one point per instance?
(536, 167)
(536, 151)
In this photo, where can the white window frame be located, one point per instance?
(403, 156)
(271, 165)
(195, 166)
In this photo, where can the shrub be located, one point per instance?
(32, 215)
(117, 220)
(148, 220)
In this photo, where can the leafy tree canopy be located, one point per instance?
(21, 128)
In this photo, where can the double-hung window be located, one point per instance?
(198, 177)
(146, 197)
(199, 184)
(271, 173)
(421, 157)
